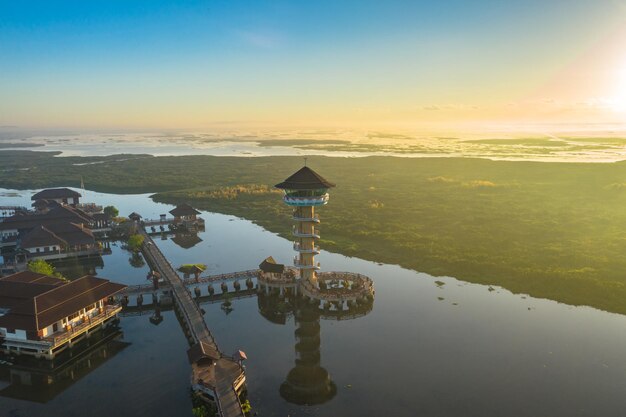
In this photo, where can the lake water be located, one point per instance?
(428, 348)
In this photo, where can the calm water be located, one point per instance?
(451, 349)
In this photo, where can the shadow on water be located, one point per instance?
(41, 381)
(307, 383)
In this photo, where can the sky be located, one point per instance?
(205, 64)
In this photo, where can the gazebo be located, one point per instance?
(184, 213)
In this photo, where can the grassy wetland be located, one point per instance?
(553, 230)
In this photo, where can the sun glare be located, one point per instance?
(618, 102)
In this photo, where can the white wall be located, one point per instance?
(42, 249)
(8, 232)
(18, 335)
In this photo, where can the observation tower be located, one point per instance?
(304, 191)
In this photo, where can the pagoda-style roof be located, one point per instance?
(134, 216)
(305, 179)
(270, 265)
(55, 193)
(184, 210)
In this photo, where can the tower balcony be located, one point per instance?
(306, 201)
(314, 219)
(297, 233)
(297, 247)
(298, 264)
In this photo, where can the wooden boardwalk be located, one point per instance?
(207, 279)
(228, 373)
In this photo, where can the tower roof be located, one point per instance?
(305, 179)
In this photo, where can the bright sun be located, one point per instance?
(618, 102)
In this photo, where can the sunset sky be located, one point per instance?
(198, 64)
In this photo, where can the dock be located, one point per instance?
(223, 376)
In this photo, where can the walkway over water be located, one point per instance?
(207, 279)
(226, 375)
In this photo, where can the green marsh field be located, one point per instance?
(553, 230)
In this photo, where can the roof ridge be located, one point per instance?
(103, 282)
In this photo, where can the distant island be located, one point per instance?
(8, 145)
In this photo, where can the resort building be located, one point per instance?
(59, 231)
(58, 195)
(42, 315)
(304, 191)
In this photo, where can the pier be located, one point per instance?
(235, 277)
(218, 376)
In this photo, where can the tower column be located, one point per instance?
(306, 242)
(305, 190)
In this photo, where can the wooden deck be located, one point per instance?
(228, 372)
(148, 288)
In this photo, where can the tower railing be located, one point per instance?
(306, 201)
(299, 248)
(298, 233)
(314, 219)
(298, 264)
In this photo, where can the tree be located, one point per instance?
(135, 242)
(42, 267)
(111, 211)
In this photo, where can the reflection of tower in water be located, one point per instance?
(308, 382)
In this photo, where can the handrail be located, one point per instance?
(93, 321)
(187, 307)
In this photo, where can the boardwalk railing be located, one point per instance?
(144, 288)
(227, 370)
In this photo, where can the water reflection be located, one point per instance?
(41, 381)
(308, 382)
(186, 240)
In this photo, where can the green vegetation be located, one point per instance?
(191, 268)
(111, 211)
(200, 408)
(134, 242)
(42, 267)
(246, 407)
(554, 230)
